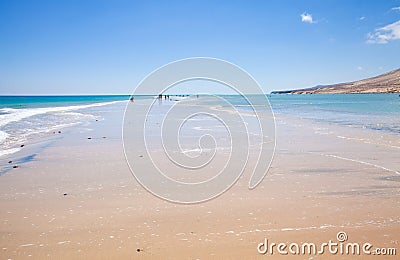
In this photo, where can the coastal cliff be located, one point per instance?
(384, 83)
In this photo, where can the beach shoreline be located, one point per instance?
(78, 198)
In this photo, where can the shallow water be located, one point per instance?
(26, 117)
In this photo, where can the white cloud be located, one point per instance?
(359, 68)
(385, 34)
(395, 8)
(307, 18)
(362, 18)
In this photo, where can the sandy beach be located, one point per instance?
(77, 199)
(199, 129)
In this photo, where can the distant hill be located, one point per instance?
(385, 83)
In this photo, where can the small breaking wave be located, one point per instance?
(20, 125)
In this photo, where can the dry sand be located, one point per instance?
(324, 179)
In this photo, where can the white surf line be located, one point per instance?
(361, 224)
(27, 245)
(366, 141)
(63, 242)
(357, 161)
(289, 229)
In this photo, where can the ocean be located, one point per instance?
(379, 112)
(23, 118)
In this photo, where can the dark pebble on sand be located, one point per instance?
(140, 156)
(15, 166)
(138, 250)
(104, 137)
(65, 194)
(97, 120)
(89, 138)
(9, 161)
(22, 145)
(59, 132)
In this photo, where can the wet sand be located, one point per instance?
(78, 200)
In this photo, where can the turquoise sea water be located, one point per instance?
(26, 117)
(379, 112)
(372, 111)
(20, 102)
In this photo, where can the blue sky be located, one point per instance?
(101, 47)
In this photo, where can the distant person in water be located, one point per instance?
(132, 99)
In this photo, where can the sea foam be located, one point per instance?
(19, 125)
